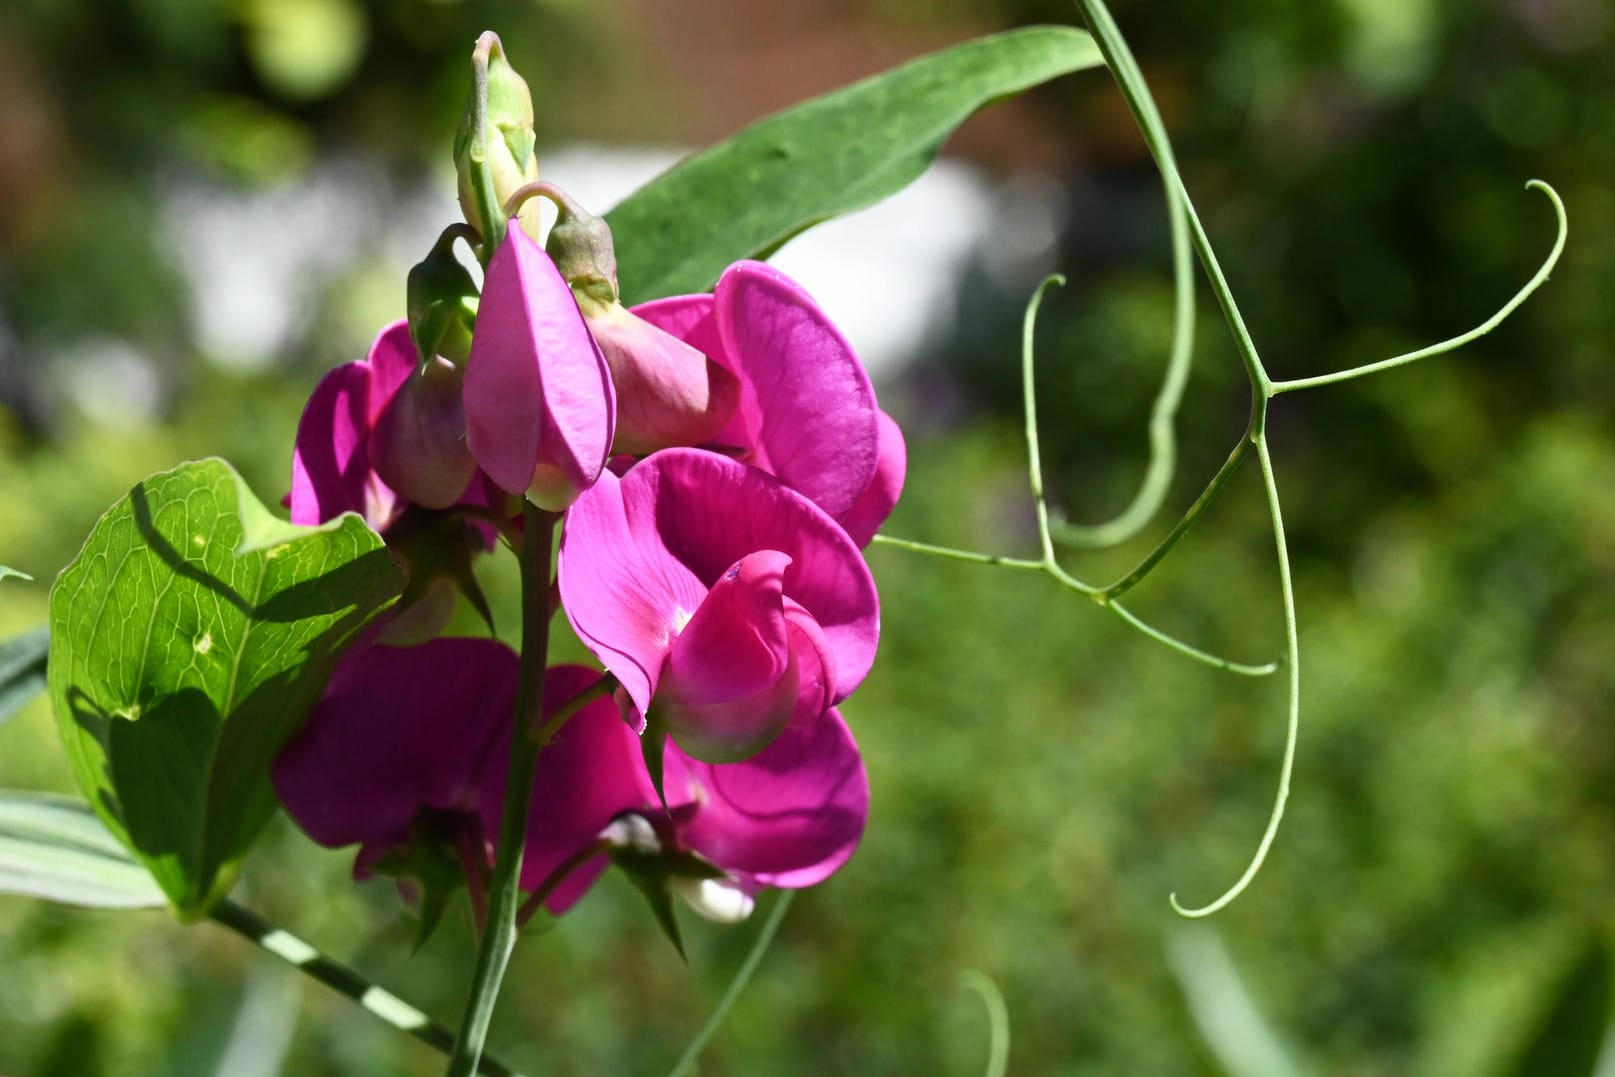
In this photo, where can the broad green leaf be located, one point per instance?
(22, 669)
(189, 639)
(54, 847)
(846, 150)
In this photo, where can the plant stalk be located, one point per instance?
(527, 740)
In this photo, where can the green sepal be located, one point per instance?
(653, 744)
(650, 872)
(439, 545)
(436, 294)
(661, 906)
(189, 639)
(650, 864)
(429, 863)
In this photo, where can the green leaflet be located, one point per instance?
(54, 847)
(189, 638)
(846, 150)
(22, 669)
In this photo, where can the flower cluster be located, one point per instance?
(718, 461)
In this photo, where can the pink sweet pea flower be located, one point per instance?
(539, 406)
(400, 733)
(807, 413)
(375, 436)
(788, 817)
(719, 597)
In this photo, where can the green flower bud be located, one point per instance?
(493, 149)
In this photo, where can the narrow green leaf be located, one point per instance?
(1569, 1037)
(54, 847)
(1231, 1024)
(189, 639)
(22, 661)
(22, 669)
(846, 150)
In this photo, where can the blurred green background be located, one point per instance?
(1042, 777)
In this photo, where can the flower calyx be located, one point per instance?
(441, 299)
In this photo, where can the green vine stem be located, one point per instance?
(692, 1054)
(1162, 429)
(1201, 503)
(1125, 69)
(527, 740)
(1538, 279)
(377, 1001)
(1292, 721)
(1131, 81)
(1047, 562)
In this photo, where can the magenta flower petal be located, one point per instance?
(806, 399)
(331, 470)
(668, 393)
(690, 318)
(392, 359)
(624, 593)
(639, 554)
(879, 498)
(398, 730)
(589, 773)
(694, 320)
(789, 816)
(730, 682)
(815, 665)
(539, 407)
(713, 510)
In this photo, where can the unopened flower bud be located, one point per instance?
(418, 444)
(496, 134)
